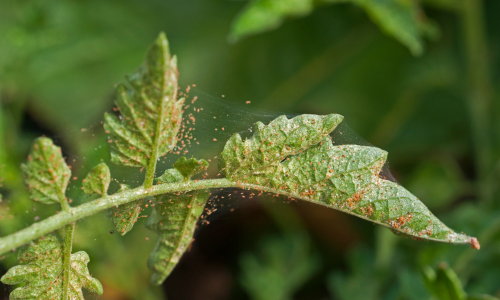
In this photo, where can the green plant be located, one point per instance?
(291, 157)
(279, 268)
(444, 284)
(403, 20)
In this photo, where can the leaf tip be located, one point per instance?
(97, 180)
(4, 279)
(161, 42)
(162, 38)
(474, 243)
(97, 286)
(190, 167)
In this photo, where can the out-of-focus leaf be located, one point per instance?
(480, 297)
(296, 159)
(447, 280)
(190, 167)
(279, 267)
(174, 219)
(361, 284)
(150, 112)
(402, 19)
(398, 18)
(125, 216)
(445, 284)
(444, 4)
(412, 285)
(97, 180)
(263, 15)
(46, 172)
(42, 271)
(438, 183)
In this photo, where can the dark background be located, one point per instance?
(435, 113)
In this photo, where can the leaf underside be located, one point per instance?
(46, 173)
(174, 219)
(344, 177)
(150, 112)
(125, 216)
(97, 180)
(190, 167)
(42, 271)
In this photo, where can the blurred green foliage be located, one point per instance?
(445, 284)
(402, 19)
(279, 268)
(436, 114)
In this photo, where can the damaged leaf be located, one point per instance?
(41, 268)
(297, 158)
(46, 173)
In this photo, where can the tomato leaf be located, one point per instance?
(42, 270)
(46, 173)
(190, 167)
(401, 19)
(150, 112)
(97, 180)
(297, 158)
(125, 216)
(174, 219)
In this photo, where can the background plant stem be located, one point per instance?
(480, 90)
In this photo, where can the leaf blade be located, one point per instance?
(184, 211)
(403, 20)
(125, 216)
(97, 180)
(46, 174)
(43, 272)
(263, 15)
(190, 167)
(407, 214)
(343, 177)
(398, 19)
(174, 219)
(150, 111)
(281, 138)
